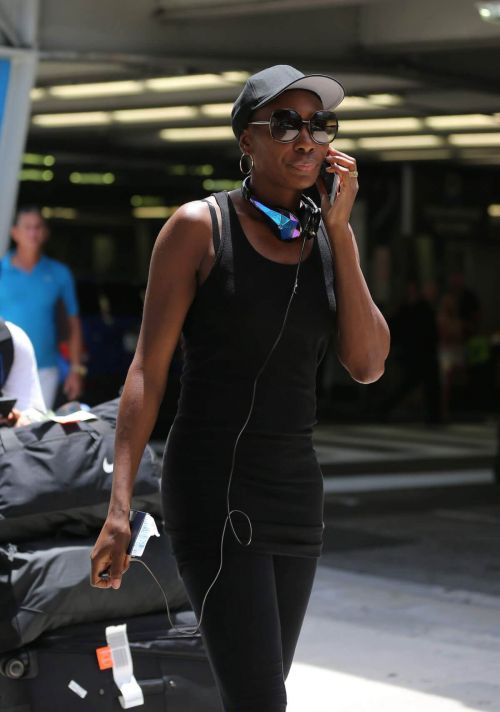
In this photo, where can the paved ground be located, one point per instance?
(371, 448)
(405, 613)
(371, 644)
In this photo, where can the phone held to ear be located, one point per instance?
(6, 405)
(330, 180)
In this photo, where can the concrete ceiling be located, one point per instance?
(437, 56)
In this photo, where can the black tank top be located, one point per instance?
(229, 330)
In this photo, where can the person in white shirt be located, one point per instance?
(22, 381)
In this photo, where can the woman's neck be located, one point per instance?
(274, 195)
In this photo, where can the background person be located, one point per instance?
(22, 380)
(31, 287)
(415, 340)
(220, 275)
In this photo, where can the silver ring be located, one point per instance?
(353, 174)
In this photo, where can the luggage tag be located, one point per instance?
(123, 668)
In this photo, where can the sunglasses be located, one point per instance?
(285, 125)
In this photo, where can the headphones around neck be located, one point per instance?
(287, 226)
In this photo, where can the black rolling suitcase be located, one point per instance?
(171, 669)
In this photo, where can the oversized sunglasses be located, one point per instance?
(285, 125)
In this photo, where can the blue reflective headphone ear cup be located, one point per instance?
(284, 223)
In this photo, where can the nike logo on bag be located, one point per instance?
(107, 466)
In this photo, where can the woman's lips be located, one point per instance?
(308, 167)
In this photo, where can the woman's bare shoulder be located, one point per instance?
(186, 236)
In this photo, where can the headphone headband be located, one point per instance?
(286, 225)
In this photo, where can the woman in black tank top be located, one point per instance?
(256, 302)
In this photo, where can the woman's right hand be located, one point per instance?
(109, 555)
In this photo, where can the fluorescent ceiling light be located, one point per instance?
(167, 113)
(38, 93)
(384, 143)
(489, 11)
(195, 81)
(462, 121)
(235, 77)
(345, 144)
(158, 212)
(148, 201)
(417, 155)
(355, 103)
(217, 184)
(494, 210)
(86, 118)
(59, 213)
(180, 169)
(36, 175)
(479, 139)
(207, 133)
(37, 159)
(368, 103)
(218, 111)
(92, 178)
(132, 86)
(385, 99)
(363, 126)
(82, 91)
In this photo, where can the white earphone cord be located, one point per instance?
(230, 512)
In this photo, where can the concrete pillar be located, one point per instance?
(18, 62)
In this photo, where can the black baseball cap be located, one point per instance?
(263, 87)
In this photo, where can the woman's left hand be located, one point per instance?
(345, 167)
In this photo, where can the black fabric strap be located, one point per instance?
(223, 203)
(215, 225)
(327, 262)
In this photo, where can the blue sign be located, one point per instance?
(4, 85)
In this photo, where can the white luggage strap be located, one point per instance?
(123, 669)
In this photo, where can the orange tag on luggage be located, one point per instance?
(104, 659)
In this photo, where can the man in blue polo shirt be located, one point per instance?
(31, 287)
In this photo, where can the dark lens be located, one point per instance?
(285, 125)
(324, 126)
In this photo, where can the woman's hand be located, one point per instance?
(344, 166)
(109, 555)
(12, 419)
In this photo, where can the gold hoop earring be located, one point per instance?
(245, 156)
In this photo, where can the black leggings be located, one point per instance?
(252, 620)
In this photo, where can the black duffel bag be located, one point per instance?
(45, 585)
(55, 476)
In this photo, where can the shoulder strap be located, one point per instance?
(215, 225)
(223, 203)
(6, 353)
(227, 256)
(327, 262)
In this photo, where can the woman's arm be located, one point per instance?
(362, 332)
(73, 385)
(363, 337)
(179, 250)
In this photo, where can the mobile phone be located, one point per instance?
(6, 405)
(330, 180)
